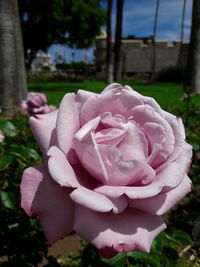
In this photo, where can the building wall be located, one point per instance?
(137, 55)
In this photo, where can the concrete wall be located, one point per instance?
(137, 55)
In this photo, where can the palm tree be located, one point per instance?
(12, 74)
(153, 57)
(193, 67)
(182, 33)
(109, 65)
(118, 36)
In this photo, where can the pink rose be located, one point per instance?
(35, 103)
(113, 163)
(1, 137)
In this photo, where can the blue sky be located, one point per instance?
(138, 21)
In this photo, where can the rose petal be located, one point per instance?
(177, 126)
(155, 134)
(43, 128)
(121, 172)
(129, 230)
(134, 145)
(111, 136)
(168, 178)
(46, 199)
(146, 114)
(60, 169)
(67, 122)
(82, 96)
(116, 101)
(112, 86)
(96, 201)
(87, 150)
(164, 201)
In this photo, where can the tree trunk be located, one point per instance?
(12, 73)
(153, 56)
(109, 64)
(193, 68)
(182, 34)
(118, 37)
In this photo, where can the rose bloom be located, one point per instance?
(113, 163)
(35, 103)
(1, 137)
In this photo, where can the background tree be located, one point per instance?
(193, 67)
(182, 33)
(12, 73)
(109, 65)
(118, 37)
(45, 22)
(153, 56)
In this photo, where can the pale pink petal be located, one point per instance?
(109, 120)
(127, 231)
(177, 126)
(43, 128)
(44, 198)
(164, 201)
(90, 109)
(112, 86)
(84, 178)
(151, 101)
(134, 145)
(97, 202)
(116, 101)
(87, 150)
(48, 109)
(168, 178)
(155, 134)
(82, 96)
(111, 136)
(146, 115)
(121, 172)
(67, 122)
(60, 169)
(147, 100)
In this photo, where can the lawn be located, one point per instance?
(167, 95)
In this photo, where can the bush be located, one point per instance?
(171, 74)
(21, 241)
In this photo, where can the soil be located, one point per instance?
(62, 248)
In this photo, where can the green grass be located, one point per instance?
(169, 96)
(56, 90)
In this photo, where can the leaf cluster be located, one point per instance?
(21, 240)
(71, 22)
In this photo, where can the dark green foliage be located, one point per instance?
(45, 22)
(171, 74)
(21, 239)
(75, 66)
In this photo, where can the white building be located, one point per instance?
(41, 62)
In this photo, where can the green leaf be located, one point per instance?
(117, 261)
(169, 241)
(149, 258)
(7, 199)
(17, 155)
(5, 161)
(182, 237)
(30, 153)
(157, 244)
(8, 128)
